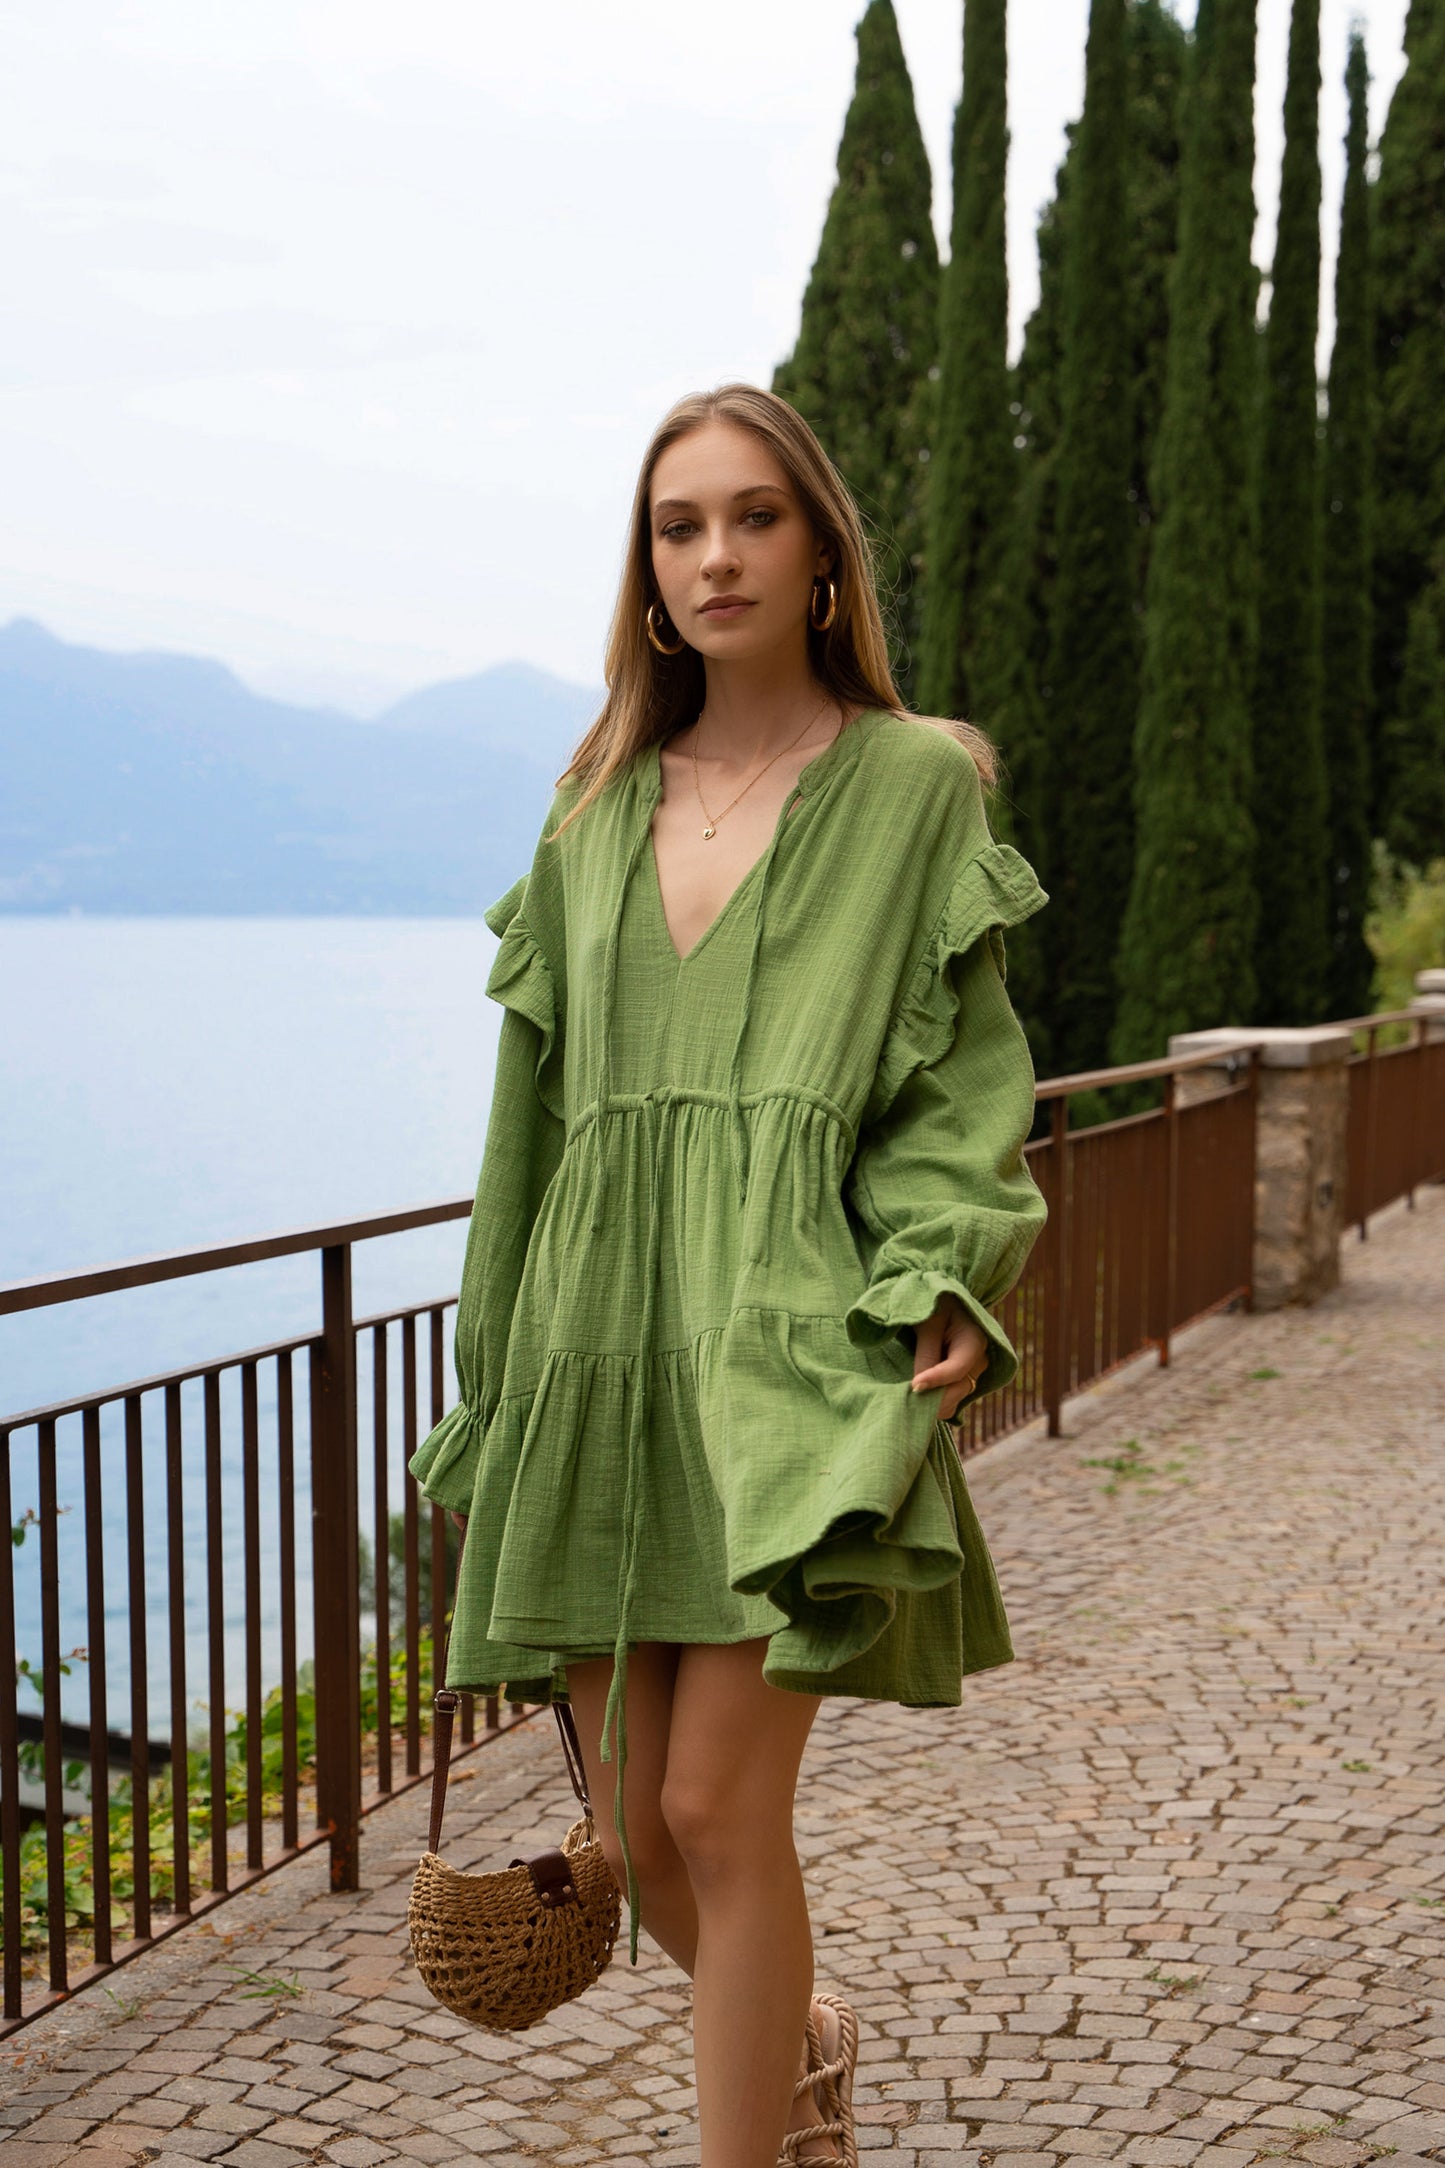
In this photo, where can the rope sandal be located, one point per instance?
(834, 2082)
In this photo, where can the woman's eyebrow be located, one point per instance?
(689, 504)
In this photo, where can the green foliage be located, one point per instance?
(1346, 570)
(162, 1810)
(965, 667)
(1291, 803)
(1158, 53)
(1093, 670)
(1014, 724)
(859, 373)
(1414, 737)
(1186, 951)
(1409, 237)
(1176, 1983)
(1155, 49)
(396, 1576)
(1128, 1467)
(1405, 928)
(1038, 376)
(974, 646)
(271, 1985)
(30, 1753)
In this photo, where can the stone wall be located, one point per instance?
(1299, 1181)
(1300, 1140)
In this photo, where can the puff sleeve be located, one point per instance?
(525, 1135)
(938, 1185)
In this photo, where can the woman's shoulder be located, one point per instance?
(924, 763)
(932, 743)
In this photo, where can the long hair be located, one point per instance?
(650, 695)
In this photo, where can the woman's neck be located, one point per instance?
(741, 724)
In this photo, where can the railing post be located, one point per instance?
(1252, 1180)
(140, 1726)
(1171, 1215)
(1056, 1279)
(334, 1570)
(1427, 1146)
(11, 2006)
(1372, 1088)
(50, 1711)
(1301, 1097)
(1417, 1113)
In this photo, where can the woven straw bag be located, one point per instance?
(501, 1950)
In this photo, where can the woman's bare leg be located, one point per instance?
(665, 1891)
(729, 1708)
(734, 1748)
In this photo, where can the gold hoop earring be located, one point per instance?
(652, 634)
(821, 624)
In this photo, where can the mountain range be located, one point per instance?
(160, 783)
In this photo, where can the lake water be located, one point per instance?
(171, 1083)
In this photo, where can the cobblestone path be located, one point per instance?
(1168, 1889)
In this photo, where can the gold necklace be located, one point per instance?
(711, 829)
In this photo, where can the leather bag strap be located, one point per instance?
(445, 1707)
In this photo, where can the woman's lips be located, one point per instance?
(724, 610)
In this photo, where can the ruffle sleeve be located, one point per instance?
(521, 979)
(938, 1184)
(445, 1463)
(996, 888)
(523, 1149)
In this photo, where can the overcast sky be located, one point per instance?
(336, 328)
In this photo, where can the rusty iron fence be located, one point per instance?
(1396, 1116)
(1150, 1227)
(297, 1399)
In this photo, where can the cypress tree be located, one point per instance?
(1291, 807)
(1158, 50)
(1037, 385)
(1012, 716)
(1093, 672)
(1186, 952)
(868, 332)
(1416, 735)
(1345, 632)
(968, 665)
(1409, 258)
(1156, 46)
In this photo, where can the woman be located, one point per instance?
(752, 1179)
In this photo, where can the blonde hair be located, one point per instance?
(650, 695)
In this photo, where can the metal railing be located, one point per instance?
(1396, 1117)
(1150, 1227)
(313, 1431)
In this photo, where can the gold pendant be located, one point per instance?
(708, 834)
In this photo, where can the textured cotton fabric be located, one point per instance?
(715, 1194)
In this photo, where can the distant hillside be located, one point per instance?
(160, 783)
(511, 708)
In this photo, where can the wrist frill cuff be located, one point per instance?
(910, 1298)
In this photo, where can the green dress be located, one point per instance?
(715, 1194)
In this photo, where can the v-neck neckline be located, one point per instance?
(806, 782)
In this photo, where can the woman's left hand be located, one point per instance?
(951, 1351)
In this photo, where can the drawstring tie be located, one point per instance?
(739, 1128)
(652, 1110)
(616, 1708)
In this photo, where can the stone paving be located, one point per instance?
(1168, 1889)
